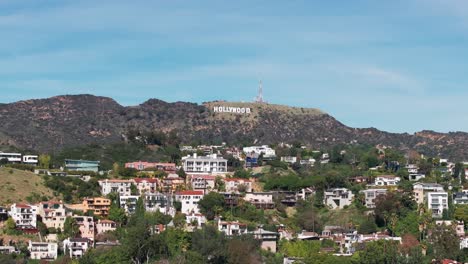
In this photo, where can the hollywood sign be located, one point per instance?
(231, 109)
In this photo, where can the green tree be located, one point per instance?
(70, 227)
(210, 204)
(211, 244)
(44, 161)
(117, 214)
(461, 213)
(445, 242)
(10, 224)
(368, 226)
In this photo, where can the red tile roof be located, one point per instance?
(150, 180)
(190, 193)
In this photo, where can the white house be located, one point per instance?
(30, 159)
(338, 198)
(310, 161)
(289, 159)
(437, 202)
(204, 164)
(386, 180)
(199, 219)
(416, 176)
(421, 189)
(464, 242)
(24, 215)
(268, 153)
(159, 202)
(261, 200)
(371, 194)
(11, 157)
(189, 201)
(232, 228)
(460, 197)
(77, 247)
(233, 184)
(412, 168)
(122, 187)
(128, 203)
(43, 250)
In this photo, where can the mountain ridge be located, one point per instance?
(51, 124)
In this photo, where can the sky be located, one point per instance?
(399, 66)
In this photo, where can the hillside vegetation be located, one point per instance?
(50, 125)
(21, 186)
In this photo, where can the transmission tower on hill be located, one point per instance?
(259, 98)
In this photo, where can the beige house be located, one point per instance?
(103, 226)
(420, 190)
(53, 214)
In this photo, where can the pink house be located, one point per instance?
(142, 165)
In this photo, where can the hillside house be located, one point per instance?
(77, 247)
(43, 250)
(129, 203)
(87, 227)
(189, 201)
(144, 165)
(24, 215)
(437, 202)
(204, 164)
(234, 184)
(145, 185)
(421, 189)
(52, 214)
(122, 187)
(370, 196)
(202, 182)
(386, 180)
(232, 228)
(104, 226)
(338, 198)
(261, 200)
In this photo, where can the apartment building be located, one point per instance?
(122, 187)
(24, 215)
(98, 205)
(204, 164)
(189, 201)
(77, 247)
(437, 202)
(421, 189)
(43, 250)
(338, 198)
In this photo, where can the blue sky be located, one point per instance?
(400, 66)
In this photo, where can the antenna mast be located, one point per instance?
(259, 98)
